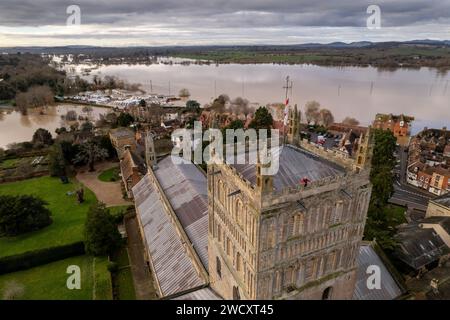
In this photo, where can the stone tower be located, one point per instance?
(150, 152)
(295, 236)
(364, 152)
(293, 133)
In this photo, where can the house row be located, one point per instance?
(429, 161)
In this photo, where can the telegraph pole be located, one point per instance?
(288, 87)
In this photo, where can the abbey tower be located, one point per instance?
(293, 235)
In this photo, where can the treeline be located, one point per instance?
(30, 81)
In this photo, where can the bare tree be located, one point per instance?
(184, 93)
(312, 111)
(90, 152)
(350, 121)
(326, 118)
(37, 96)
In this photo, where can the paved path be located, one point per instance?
(142, 278)
(110, 193)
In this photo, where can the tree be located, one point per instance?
(193, 105)
(379, 221)
(101, 234)
(235, 124)
(34, 97)
(71, 115)
(87, 127)
(262, 119)
(21, 214)
(326, 118)
(105, 143)
(42, 137)
(312, 111)
(184, 93)
(350, 121)
(125, 119)
(142, 103)
(87, 109)
(89, 153)
(57, 162)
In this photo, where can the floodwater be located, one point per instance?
(15, 127)
(349, 91)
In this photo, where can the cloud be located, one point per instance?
(254, 21)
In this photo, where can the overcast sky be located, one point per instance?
(192, 22)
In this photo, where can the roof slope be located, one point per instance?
(389, 287)
(294, 165)
(185, 187)
(173, 265)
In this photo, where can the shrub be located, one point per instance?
(21, 214)
(36, 258)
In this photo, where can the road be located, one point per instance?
(405, 194)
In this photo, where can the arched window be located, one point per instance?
(326, 295)
(218, 267)
(238, 262)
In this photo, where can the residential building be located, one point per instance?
(399, 125)
(122, 138)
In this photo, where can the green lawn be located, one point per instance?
(48, 282)
(110, 175)
(68, 216)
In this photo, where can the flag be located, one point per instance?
(286, 114)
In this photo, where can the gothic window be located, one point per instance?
(289, 277)
(330, 262)
(270, 234)
(238, 262)
(219, 233)
(310, 269)
(337, 214)
(326, 295)
(228, 249)
(218, 267)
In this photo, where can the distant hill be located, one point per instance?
(76, 49)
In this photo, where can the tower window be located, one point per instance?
(218, 267)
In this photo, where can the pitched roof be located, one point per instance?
(418, 247)
(294, 164)
(174, 268)
(389, 287)
(185, 187)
